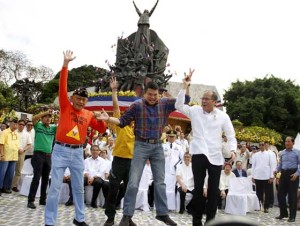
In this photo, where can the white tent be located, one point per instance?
(297, 142)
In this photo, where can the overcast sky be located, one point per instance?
(223, 40)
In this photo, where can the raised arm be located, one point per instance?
(114, 88)
(152, 10)
(179, 104)
(137, 10)
(63, 92)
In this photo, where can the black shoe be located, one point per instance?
(79, 223)
(166, 219)
(109, 222)
(125, 220)
(7, 191)
(266, 211)
(69, 203)
(94, 205)
(280, 217)
(31, 205)
(15, 189)
(291, 220)
(42, 202)
(181, 211)
(131, 223)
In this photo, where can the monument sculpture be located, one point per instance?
(140, 58)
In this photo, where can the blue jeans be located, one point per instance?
(7, 170)
(63, 157)
(142, 152)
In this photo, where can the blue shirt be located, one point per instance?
(289, 159)
(149, 120)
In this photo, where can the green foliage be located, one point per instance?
(269, 102)
(7, 100)
(84, 76)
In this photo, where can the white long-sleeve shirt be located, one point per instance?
(186, 174)
(95, 167)
(263, 165)
(207, 130)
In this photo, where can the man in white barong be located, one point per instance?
(208, 124)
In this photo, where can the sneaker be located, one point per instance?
(31, 205)
(109, 222)
(125, 220)
(79, 223)
(166, 219)
(15, 189)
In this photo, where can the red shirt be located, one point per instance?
(72, 126)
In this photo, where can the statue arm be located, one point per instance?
(137, 10)
(152, 10)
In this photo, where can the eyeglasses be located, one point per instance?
(21, 124)
(261, 144)
(29, 125)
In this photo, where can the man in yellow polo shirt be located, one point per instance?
(9, 144)
(123, 153)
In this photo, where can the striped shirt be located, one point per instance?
(149, 120)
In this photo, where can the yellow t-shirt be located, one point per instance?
(125, 141)
(10, 143)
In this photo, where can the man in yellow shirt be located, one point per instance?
(123, 153)
(9, 144)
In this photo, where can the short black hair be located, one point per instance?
(151, 85)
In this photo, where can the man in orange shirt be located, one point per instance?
(68, 149)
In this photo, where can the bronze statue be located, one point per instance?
(141, 57)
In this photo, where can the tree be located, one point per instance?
(7, 100)
(84, 76)
(12, 65)
(27, 80)
(27, 92)
(269, 102)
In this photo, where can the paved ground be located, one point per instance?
(13, 212)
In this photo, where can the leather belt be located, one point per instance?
(150, 141)
(69, 145)
(289, 170)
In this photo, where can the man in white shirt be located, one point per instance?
(208, 124)
(242, 155)
(185, 179)
(30, 130)
(25, 143)
(95, 173)
(263, 166)
(183, 142)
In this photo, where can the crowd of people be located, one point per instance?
(106, 152)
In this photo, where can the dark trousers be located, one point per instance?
(271, 203)
(220, 200)
(97, 184)
(182, 199)
(41, 163)
(200, 164)
(70, 190)
(290, 188)
(263, 190)
(119, 171)
(151, 194)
